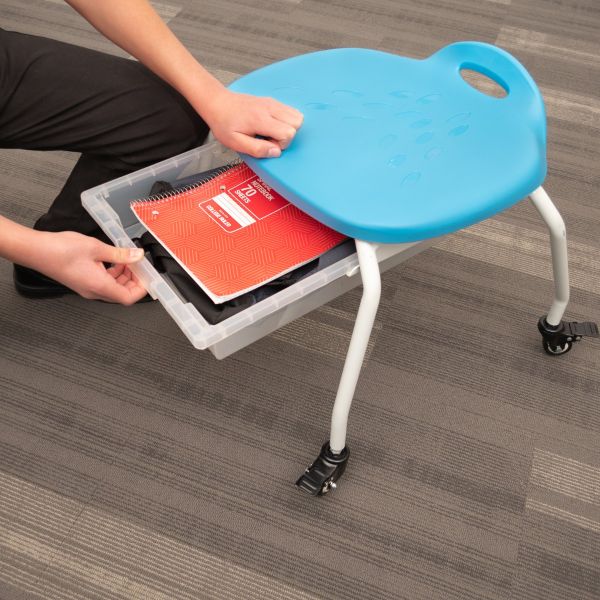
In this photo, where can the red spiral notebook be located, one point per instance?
(234, 232)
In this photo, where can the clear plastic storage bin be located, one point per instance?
(109, 206)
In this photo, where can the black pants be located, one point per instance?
(116, 113)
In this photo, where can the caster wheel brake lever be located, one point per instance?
(559, 339)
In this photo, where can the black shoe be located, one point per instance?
(32, 284)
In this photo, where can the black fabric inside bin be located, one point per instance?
(191, 292)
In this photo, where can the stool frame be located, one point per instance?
(321, 476)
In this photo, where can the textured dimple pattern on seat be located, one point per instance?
(394, 149)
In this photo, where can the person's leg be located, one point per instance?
(119, 115)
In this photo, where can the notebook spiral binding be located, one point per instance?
(157, 198)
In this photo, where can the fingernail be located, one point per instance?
(136, 252)
(273, 152)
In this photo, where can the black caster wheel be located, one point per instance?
(556, 350)
(559, 339)
(320, 477)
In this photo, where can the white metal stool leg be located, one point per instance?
(558, 245)
(558, 335)
(321, 475)
(371, 278)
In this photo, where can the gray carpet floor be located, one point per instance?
(475, 472)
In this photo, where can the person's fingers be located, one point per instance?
(256, 147)
(114, 293)
(116, 270)
(132, 280)
(122, 279)
(116, 255)
(135, 278)
(122, 274)
(125, 277)
(111, 291)
(287, 114)
(278, 131)
(136, 291)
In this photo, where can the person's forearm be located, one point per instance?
(136, 27)
(254, 125)
(19, 244)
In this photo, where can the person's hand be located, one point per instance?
(76, 260)
(235, 119)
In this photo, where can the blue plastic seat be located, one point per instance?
(396, 149)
